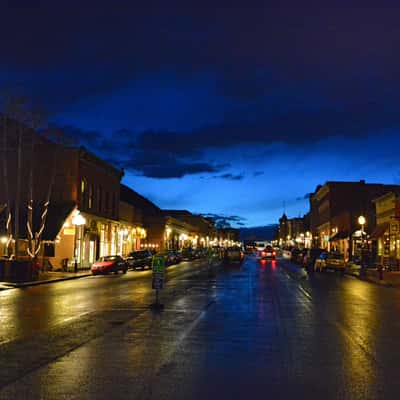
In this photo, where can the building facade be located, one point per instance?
(92, 225)
(334, 211)
(294, 231)
(387, 231)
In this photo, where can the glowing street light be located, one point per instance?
(362, 221)
(78, 219)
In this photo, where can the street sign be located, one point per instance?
(158, 281)
(158, 266)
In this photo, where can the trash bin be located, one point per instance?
(2, 268)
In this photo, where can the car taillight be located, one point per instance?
(273, 253)
(263, 253)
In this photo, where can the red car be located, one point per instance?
(107, 264)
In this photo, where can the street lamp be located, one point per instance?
(78, 220)
(362, 221)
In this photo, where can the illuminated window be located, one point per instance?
(103, 248)
(90, 199)
(113, 240)
(83, 192)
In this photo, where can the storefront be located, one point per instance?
(85, 237)
(386, 235)
(340, 243)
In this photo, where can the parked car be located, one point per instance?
(107, 264)
(174, 257)
(139, 259)
(286, 253)
(310, 256)
(200, 252)
(332, 261)
(169, 256)
(188, 254)
(298, 255)
(268, 253)
(178, 256)
(233, 254)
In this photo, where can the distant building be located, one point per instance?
(147, 215)
(185, 229)
(283, 230)
(294, 231)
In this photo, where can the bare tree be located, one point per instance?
(13, 115)
(19, 114)
(36, 118)
(6, 206)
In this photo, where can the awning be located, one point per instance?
(57, 214)
(339, 236)
(379, 231)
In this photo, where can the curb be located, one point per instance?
(37, 283)
(366, 279)
(383, 283)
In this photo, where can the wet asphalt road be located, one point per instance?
(260, 331)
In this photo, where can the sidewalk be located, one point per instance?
(390, 278)
(46, 277)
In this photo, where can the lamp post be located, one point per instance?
(78, 220)
(362, 221)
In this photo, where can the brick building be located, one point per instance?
(334, 211)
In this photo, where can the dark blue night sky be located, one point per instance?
(230, 110)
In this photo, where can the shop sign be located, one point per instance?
(69, 231)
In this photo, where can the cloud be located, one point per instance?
(230, 176)
(165, 166)
(225, 221)
(121, 150)
(258, 173)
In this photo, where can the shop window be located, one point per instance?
(113, 240)
(103, 248)
(83, 192)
